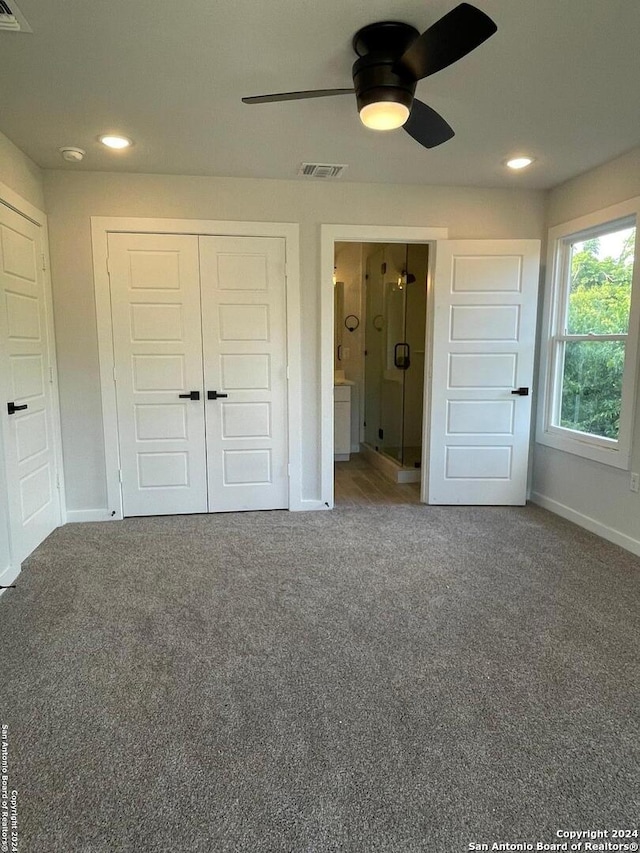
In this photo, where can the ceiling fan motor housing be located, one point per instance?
(377, 76)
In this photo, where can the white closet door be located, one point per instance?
(484, 335)
(33, 505)
(155, 296)
(244, 331)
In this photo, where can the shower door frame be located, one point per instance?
(329, 236)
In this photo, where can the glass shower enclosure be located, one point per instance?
(396, 303)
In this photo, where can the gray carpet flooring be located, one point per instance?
(384, 679)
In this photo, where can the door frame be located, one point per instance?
(11, 199)
(101, 227)
(329, 236)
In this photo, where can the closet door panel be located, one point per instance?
(244, 337)
(155, 296)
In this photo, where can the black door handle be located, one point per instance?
(214, 395)
(192, 395)
(12, 408)
(521, 392)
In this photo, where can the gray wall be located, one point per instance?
(591, 489)
(20, 173)
(72, 198)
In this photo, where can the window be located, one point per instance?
(589, 350)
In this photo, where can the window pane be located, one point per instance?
(600, 284)
(592, 387)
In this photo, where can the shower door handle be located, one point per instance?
(402, 360)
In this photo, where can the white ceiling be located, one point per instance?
(560, 80)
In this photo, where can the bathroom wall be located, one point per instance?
(349, 270)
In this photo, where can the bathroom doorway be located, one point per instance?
(380, 305)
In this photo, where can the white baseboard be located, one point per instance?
(76, 515)
(590, 524)
(80, 515)
(8, 576)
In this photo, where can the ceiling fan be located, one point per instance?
(392, 57)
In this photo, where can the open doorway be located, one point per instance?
(380, 309)
(481, 318)
(364, 234)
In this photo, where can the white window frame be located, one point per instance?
(613, 452)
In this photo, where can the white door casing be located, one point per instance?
(485, 304)
(245, 358)
(101, 229)
(26, 369)
(329, 236)
(189, 315)
(157, 344)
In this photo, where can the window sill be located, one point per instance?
(615, 457)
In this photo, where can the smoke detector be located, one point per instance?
(11, 18)
(70, 153)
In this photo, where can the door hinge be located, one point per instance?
(115, 378)
(288, 469)
(108, 266)
(288, 374)
(51, 375)
(44, 261)
(120, 474)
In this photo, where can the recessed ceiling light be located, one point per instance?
(112, 141)
(519, 162)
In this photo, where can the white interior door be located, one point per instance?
(27, 410)
(244, 331)
(485, 303)
(155, 297)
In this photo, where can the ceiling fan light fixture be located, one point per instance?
(392, 58)
(384, 115)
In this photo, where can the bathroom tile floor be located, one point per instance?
(357, 483)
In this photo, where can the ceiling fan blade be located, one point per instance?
(296, 96)
(426, 126)
(455, 35)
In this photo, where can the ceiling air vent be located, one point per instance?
(320, 170)
(12, 19)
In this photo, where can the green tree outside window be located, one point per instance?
(598, 304)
